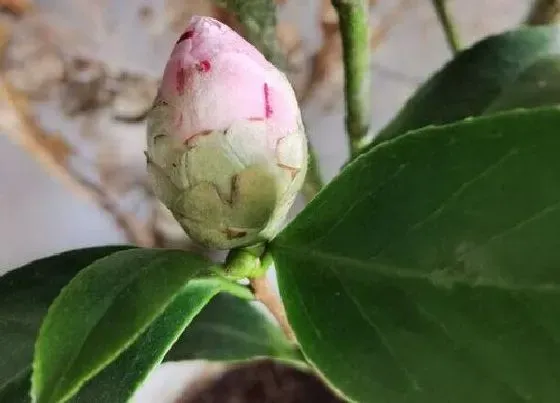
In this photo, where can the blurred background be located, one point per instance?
(78, 76)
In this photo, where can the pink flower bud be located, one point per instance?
(226, 146)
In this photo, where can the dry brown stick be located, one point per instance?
(135, 231)
(18, 124)
(380, 32)
(544, 12)
(16, 7)
(263, 293)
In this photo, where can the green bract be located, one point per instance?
(227, 188)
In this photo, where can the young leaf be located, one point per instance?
(101, 312)
(474, 79)
(428, 270)
(118, 381)
(231, 329)
(25, 296)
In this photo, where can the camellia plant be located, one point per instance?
(427, 271)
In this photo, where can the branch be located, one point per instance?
(264, 293)
(448, 27)
(18, 124)
(354, 29)
(16, 7)
(381, 31)
(544, 12)
(135, 231)
(253, 262)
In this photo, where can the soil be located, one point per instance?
(263, 381)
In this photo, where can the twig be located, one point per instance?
(447, 25)
(263, 293)
(544, 12)
(135, 232)
(253, 262)
(354, 29)
(18, 124)
(16, 7)
(380, 32)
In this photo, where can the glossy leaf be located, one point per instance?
(428, 270)
(231, 329)
(475, 79)
(25, 296)
(17, 390)
(539, 85)
(102, 311)
(118, 381)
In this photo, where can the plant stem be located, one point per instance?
(354, 29)
(253, 263)
(447, 25)
(544, 12)
(245, 263)
(263, 293)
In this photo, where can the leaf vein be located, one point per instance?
(388, 270)
(408, 375)
(454, 195)
(434, 319)
(512, 229)
(131, 279)
(358, 201)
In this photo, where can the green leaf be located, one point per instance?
(17, 390)
(474, 79)
(231, 329)
(118, 381)
(428, 271)
(25, 296)
(101, 312)
(258, 18)
(539, 85)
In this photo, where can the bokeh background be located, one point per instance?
(78, 76)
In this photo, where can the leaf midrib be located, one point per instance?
(133, 278)
(435, 277)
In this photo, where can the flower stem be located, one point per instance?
(446, 23)
(354, 29)
(544, 12)
(253, 263)
(244, 263)
(263, 293)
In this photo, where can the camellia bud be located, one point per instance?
(227, 151)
